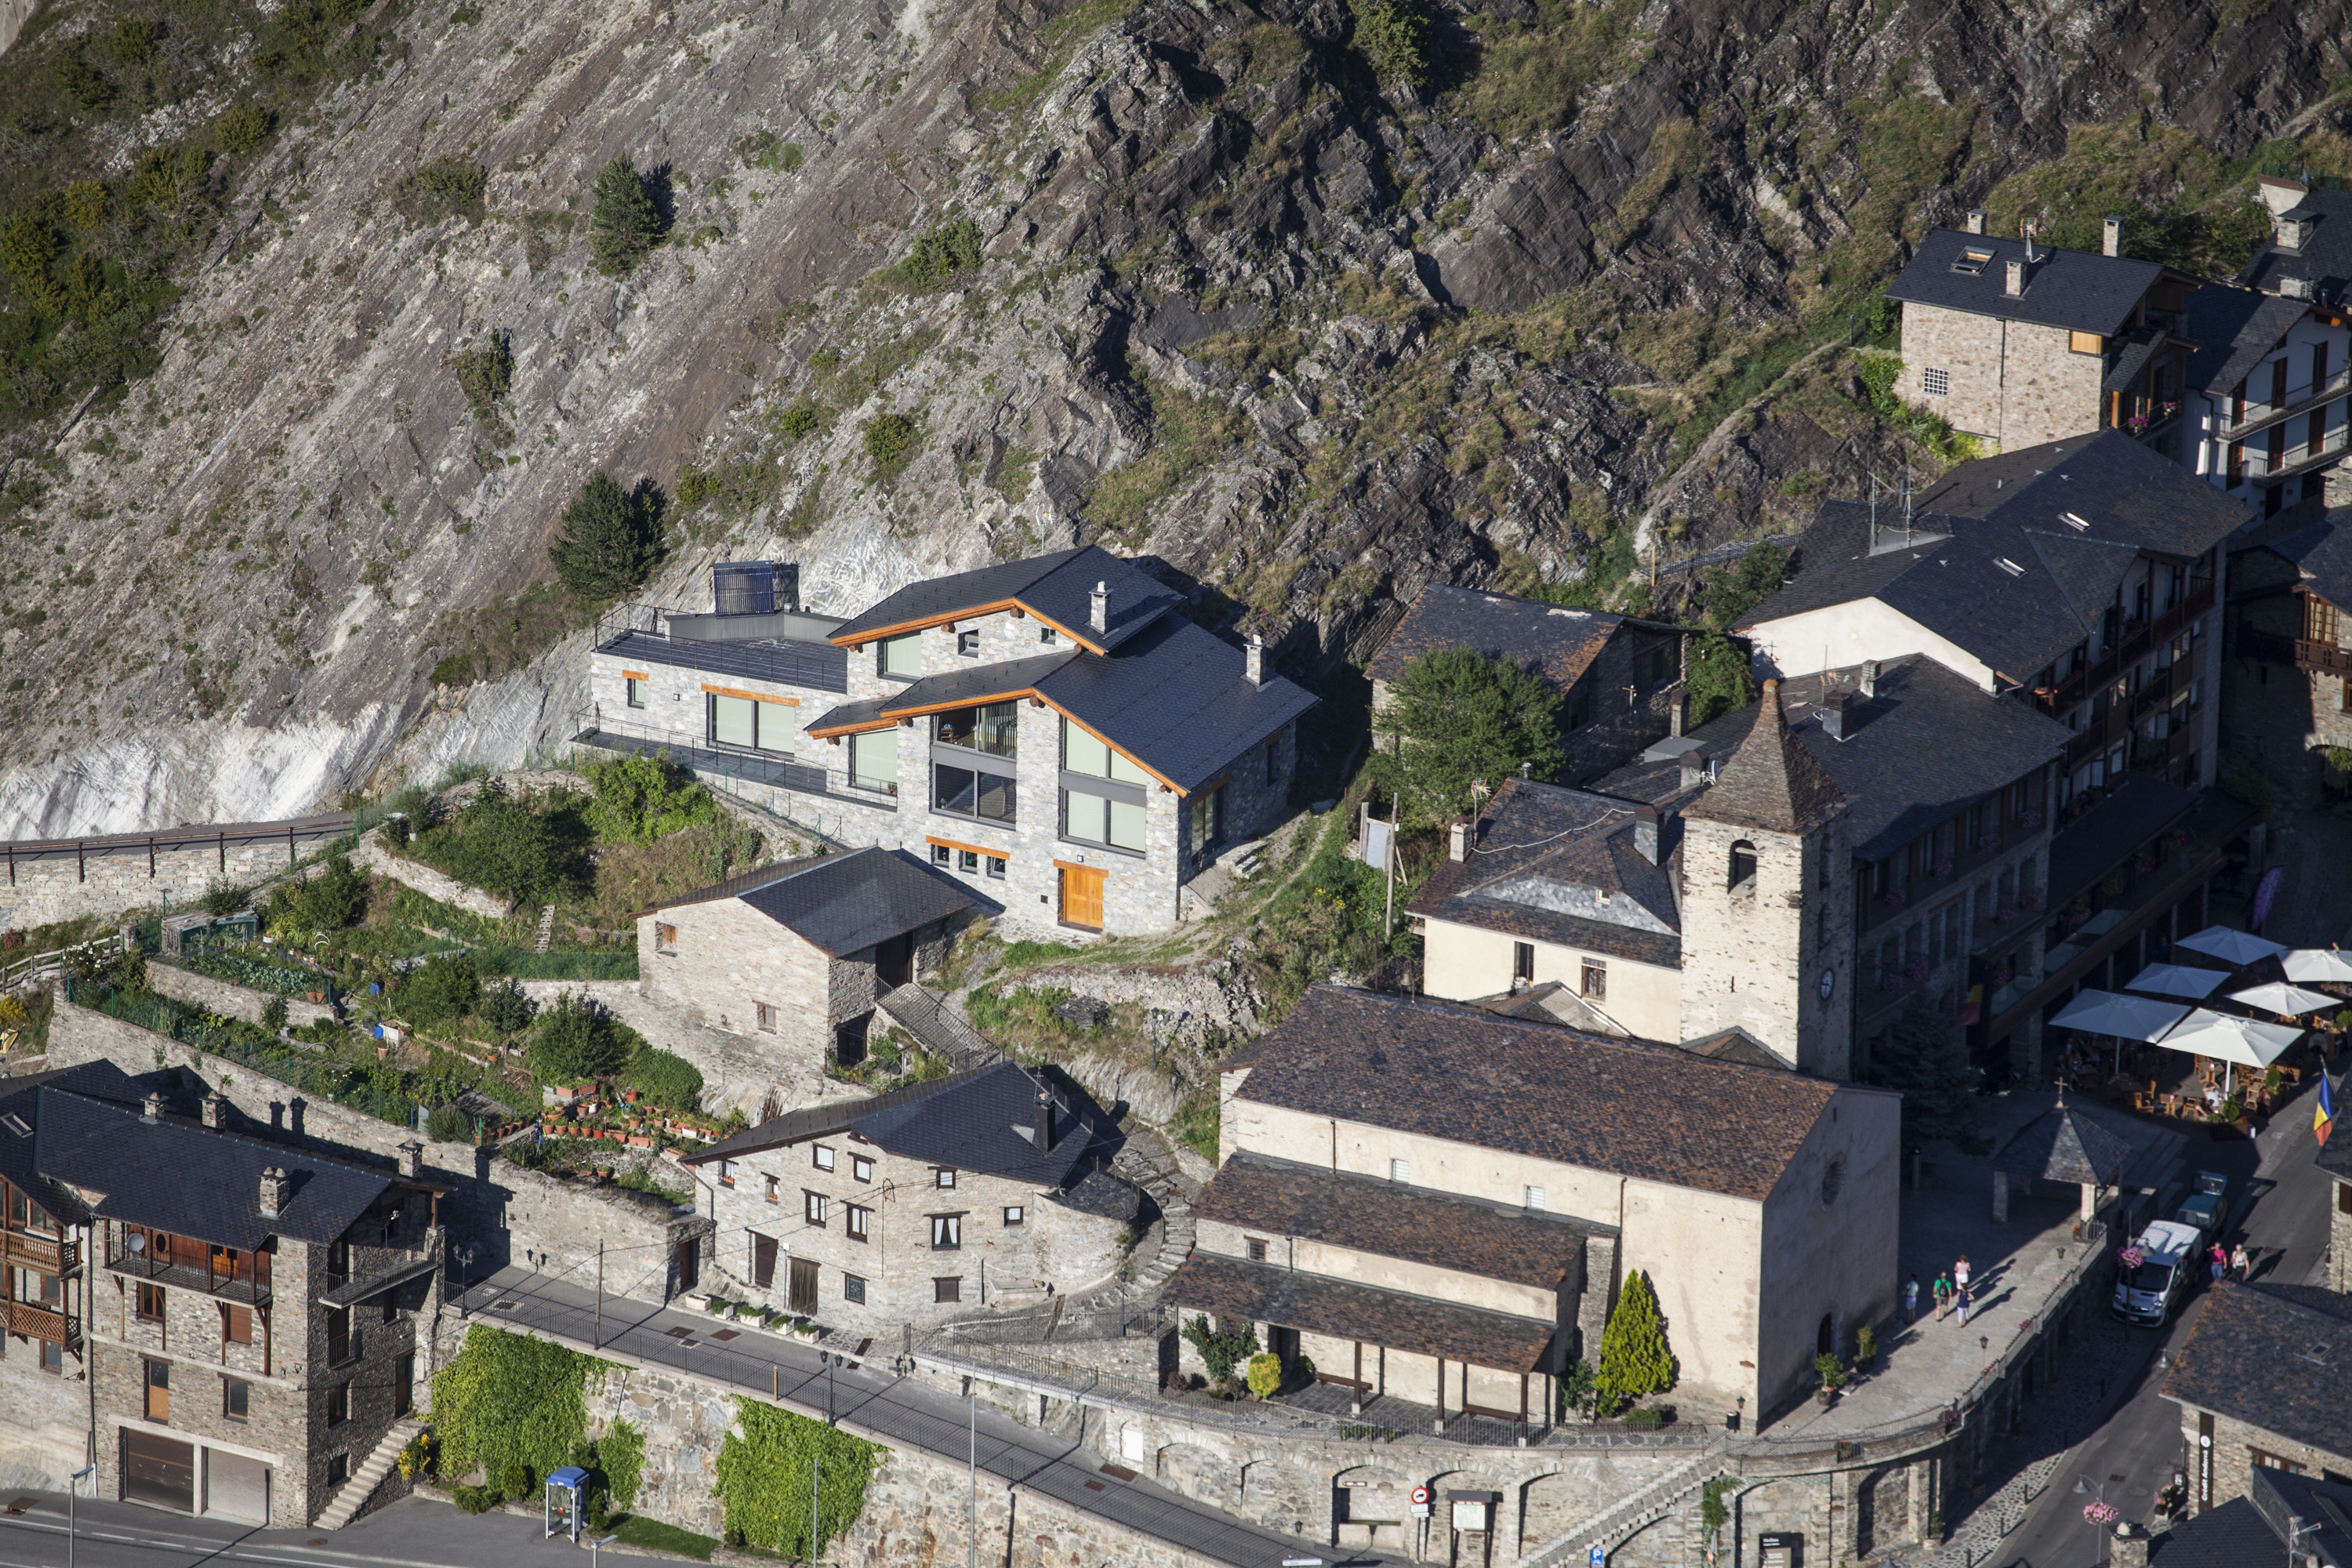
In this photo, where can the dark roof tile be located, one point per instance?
(1771, 782)
(2323, 556)
(1559, 643)
(841, 903)
(2275, 1356)
(1057, 587)
(2326, 257)
(810, 666)
(2069, 288)
(1261, 1293)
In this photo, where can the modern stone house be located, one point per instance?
(1621, 679)
(1762, 1204)
(1054, 731)
(2261, 1385)
(244, 1314)
(978, 1191)
(802, 952)
(2273, 364)
(2288, 682)
(2018, 343)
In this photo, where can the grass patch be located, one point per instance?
(1188, 434)
(2181, 204)
(1059, 41)
(1519, 78)
(653, 1535)
(491, 641)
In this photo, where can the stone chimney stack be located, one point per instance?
(2015, 286)
(1253, 660)
(412, 1158)
(2111, 238)
(1975, 221)
(1678, 712)
(153, 1109)
(1044, 1119)
(1646, 833)
(277, 1186)
(1869, 677)
(1101, 615)
(1457, 842)
(2129, 1548)
(216, 1111)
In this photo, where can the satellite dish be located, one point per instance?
(138, 1242)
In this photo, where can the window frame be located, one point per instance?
(861, 1167)
(947, 1290)
(666, 938)
(237, 1400)
(1254, 1248)
(815, 1208)
(340, 1317)
(150, 1293)
(765, 1016)
(1593, 980)
(947, 1231)
(943, 1178)
(775, 1188)
(823, 1157)
(1015, 1216)
(1400, 1171)
(853, 1288)
(912, 642)
(874, 783)
(339, 1405)
(857, 1222)
(635, 696)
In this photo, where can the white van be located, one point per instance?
(2148, 1293)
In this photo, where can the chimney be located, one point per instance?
(1677, 713)
(216, 1111)
(1101, 616)
(1253, 660)
(1694, 769)
(2292, 230)
(1458, 841)
(2111, 238)
(153, 1110)
(1044, 1119)
(1975, 220)
(1869, 677)
(1646, 833)
(275, 1188)
(2015, 286)
(412, 1158)
(1835, 707)
(2130, 1546)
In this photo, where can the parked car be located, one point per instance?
(2202, 1208)
(2151, 1273)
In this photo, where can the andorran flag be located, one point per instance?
(2323, 1113)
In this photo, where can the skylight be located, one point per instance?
(1972, 260)
(17, 1124)
(2006, 564)
(2080, 524)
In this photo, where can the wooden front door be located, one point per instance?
(802, 1297)
(763, 1260)
(894, 961)
(1082, 896)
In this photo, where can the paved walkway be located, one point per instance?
(889, 1410)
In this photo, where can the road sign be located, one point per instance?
(1421, 1502)
(1598, 1558)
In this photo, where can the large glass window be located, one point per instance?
(1082, 753)
(747, 721)
(1208, 819)
(901, 656)
(1093, 819)
(970, 793)
(988, 728)
(874, 760)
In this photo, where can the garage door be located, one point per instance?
(158, 1470)
(237, 1486)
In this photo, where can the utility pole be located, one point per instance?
(598, 1337)
(817, 1538)
(972, 1529)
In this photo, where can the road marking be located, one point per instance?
(212, 1547)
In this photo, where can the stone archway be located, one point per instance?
(1371, 1507)
(1465, 1549)
(1549, 1506)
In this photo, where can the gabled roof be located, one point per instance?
(196, 1181)
(20, 1107)
(2064, 1145)
(1057, 589)
(2278, 1357)
(982, 1120)
(2235, 328)
(1457, 1073)
(1771, 783)
(2326, 257)
(842, 903)
(2069, 288)
(1292, 1298)
(2322, 553)
(1559, 644)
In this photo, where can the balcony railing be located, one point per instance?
(40, 1323)
(2298, 398)
(2292, 461)
(42, 1254)
(234, 1285)
(2130, 648)
(2309, 655)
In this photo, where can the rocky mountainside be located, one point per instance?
(1314, 304)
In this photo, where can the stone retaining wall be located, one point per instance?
(231, 1001)
(43, 893)
(432, 884)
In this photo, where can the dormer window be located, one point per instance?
(968, 644)
(1973, 260)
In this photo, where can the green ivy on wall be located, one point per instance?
(764, 1478)
(507, 1399)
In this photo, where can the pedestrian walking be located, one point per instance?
(1943, 1297)
(1960, 1273)
(2219, 1261)
(1966, 1301)
(1911, 1300)
(2240, 1264)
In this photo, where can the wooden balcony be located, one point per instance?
(2130, 648)
(42, 1254)
(40, 1323)
(2321, 656)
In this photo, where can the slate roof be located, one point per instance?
(968, 1120)
(742, 881)
(812, 666)
(2140, 806)
(2132, 351)
(1559, 643)
(2235, 328)
(1548, 1002)
(2326, 257)
(196, 1181)
(1101, 1193)
(1056, 588)
(853, 716)
(1262, 1293)
(1771, 781)
(2250, 1531)
(1992, 514)
(2278, 1357)
(841, 903)
(2323, 554)
(2071, 289)
(1544, 856)
(20, 1099)
(1364, 1214)
(2064, 1145)
(974, 683)
(1648, 1111)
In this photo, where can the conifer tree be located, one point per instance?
(624, 224)
(610, 542)
(1634, 1359)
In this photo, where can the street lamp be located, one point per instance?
(73, 1484)
(593, 1543)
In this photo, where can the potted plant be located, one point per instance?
(1942, 868)
(1832, 1371)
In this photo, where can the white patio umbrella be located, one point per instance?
(2235, 947)
(2125, 1017)
(2285, 1000)
(2310, 965)
(2237, 1042)
(2176, 979)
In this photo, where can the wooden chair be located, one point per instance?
(2170, 1104)
(2143, 1101)
(2292, 1074)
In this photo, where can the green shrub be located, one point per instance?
(133, 43)
(447, 1124)
(640, 799)
(889, 441)
(476, 1499)
(501, 845)
(765, 1472)
(505, 1008)
(1222, 1349)
(694, 485)
(436, 192)
(1720, 678)
(454, 669)
(84, 204)
(80, 83)
(1829, 1369)
(1265, 1374)
(484, 374)
(796, 423)
(1634, 1358)
(515, 1481)
(667, 1079)
(611, 541)
(577, 1042)
(760, 149)
(621, 1454)
(226, 898)
(273, 1013)
(624, 224)
(332, 899)
(1394, 37)
(242, 127)
(1865, 1345)
(1461, 717)
(440, 990)
(1647, 1417)
(947, 247)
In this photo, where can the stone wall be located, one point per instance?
(2012, 382)
(2339, 1236)
(432, 884)
(738, 1070)
(2234, 1445)
(46, 1436)
(41, 893)
(228, 1000)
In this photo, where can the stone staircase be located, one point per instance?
(938, 1027)
(1621, 1518)
(546, 928)
(355, 1492)
(1176, 1236)
(1204, 892)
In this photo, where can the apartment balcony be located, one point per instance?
(41, 1254)
(2136, 643)
(239, 1283)
(39, 1323)
(2299, 399)
(1930, 891)
(2321, 656)
(2262, 468)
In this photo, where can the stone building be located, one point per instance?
(2018, 343)
(981, 1190)
(2287, 684)
(802, 952)
(1621, 680)
(2261, 1386)
(2335, 1157)
(1149, 748)
(246, 1310)
(1761, 1204)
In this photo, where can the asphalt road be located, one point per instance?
(2279, 1209)
(412, 1534)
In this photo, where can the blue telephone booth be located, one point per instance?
(567, 1498)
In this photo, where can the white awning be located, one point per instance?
(2318, 964)
(2231, 946)
(2176, 979)
(2286, 1000)
(2126, 1018)
(2241, 1042)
